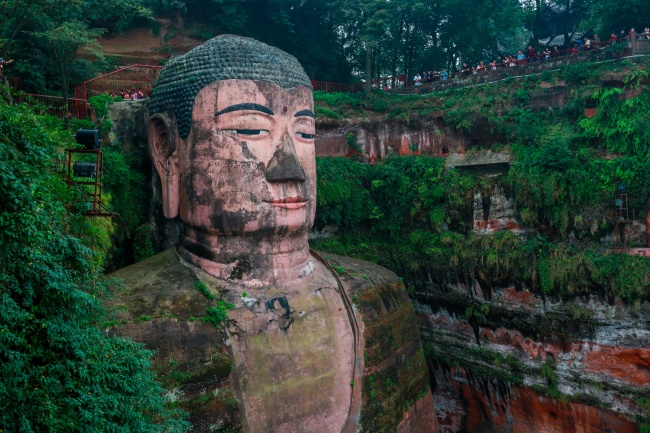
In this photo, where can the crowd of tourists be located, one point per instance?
(529, 55)
(129, 95)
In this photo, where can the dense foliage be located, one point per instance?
(58, 370)
(339, 41)
(416, 218)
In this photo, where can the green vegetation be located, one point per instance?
(203, 289)
(218, 313)
(348, 40)
(127, 184)
(58, 370)
(415, 218)
(548, 372)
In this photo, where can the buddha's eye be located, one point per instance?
(247, 131)
(305, 135)
(250, 131)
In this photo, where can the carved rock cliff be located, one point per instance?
(160, 306)
(510, 361)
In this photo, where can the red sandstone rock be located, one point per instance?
(590, 112)
(497, 225)
(524, 298)
(631, 365)
(482, 408)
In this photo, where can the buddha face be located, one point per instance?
(248, 164)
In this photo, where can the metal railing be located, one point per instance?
(14, 82)
(532, 65)
(134, 77)
(326, 86)
(55, 105)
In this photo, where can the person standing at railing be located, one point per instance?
(4, 63)
(596, 41)
(556, 52)
(531, 54)
(520, 56)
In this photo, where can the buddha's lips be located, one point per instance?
(289, 202)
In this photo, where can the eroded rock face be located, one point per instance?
(376, 138)
(520, 363)
(160, 306)
(488, 408)
(128, 128)
(288, 379)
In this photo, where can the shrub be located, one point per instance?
(58, 370)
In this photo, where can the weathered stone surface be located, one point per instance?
(142, 46)
(502, 363)
(378, 137)
(160, 306)
(129, 129)
(468, 405)
(395, 383)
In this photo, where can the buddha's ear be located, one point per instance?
(162, 145)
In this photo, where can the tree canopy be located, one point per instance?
(341, 41)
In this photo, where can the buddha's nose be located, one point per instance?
(284, 165)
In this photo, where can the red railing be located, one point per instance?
(532, 65)
(14, 82)
(55, 106)
(327, 87)
(131, 78)
(142, 77)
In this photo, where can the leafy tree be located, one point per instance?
(623, 15)
(14, 14)
(53, 34)
(58, 370)
(64, 39)
(551, 18)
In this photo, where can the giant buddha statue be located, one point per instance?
(312, 342)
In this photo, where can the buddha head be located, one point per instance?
(231, 134)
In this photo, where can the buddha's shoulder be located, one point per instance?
(165, 267)
(361, 277)
(159, 285)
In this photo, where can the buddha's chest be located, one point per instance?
(293, 353)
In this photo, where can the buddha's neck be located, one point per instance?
(258, 260)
